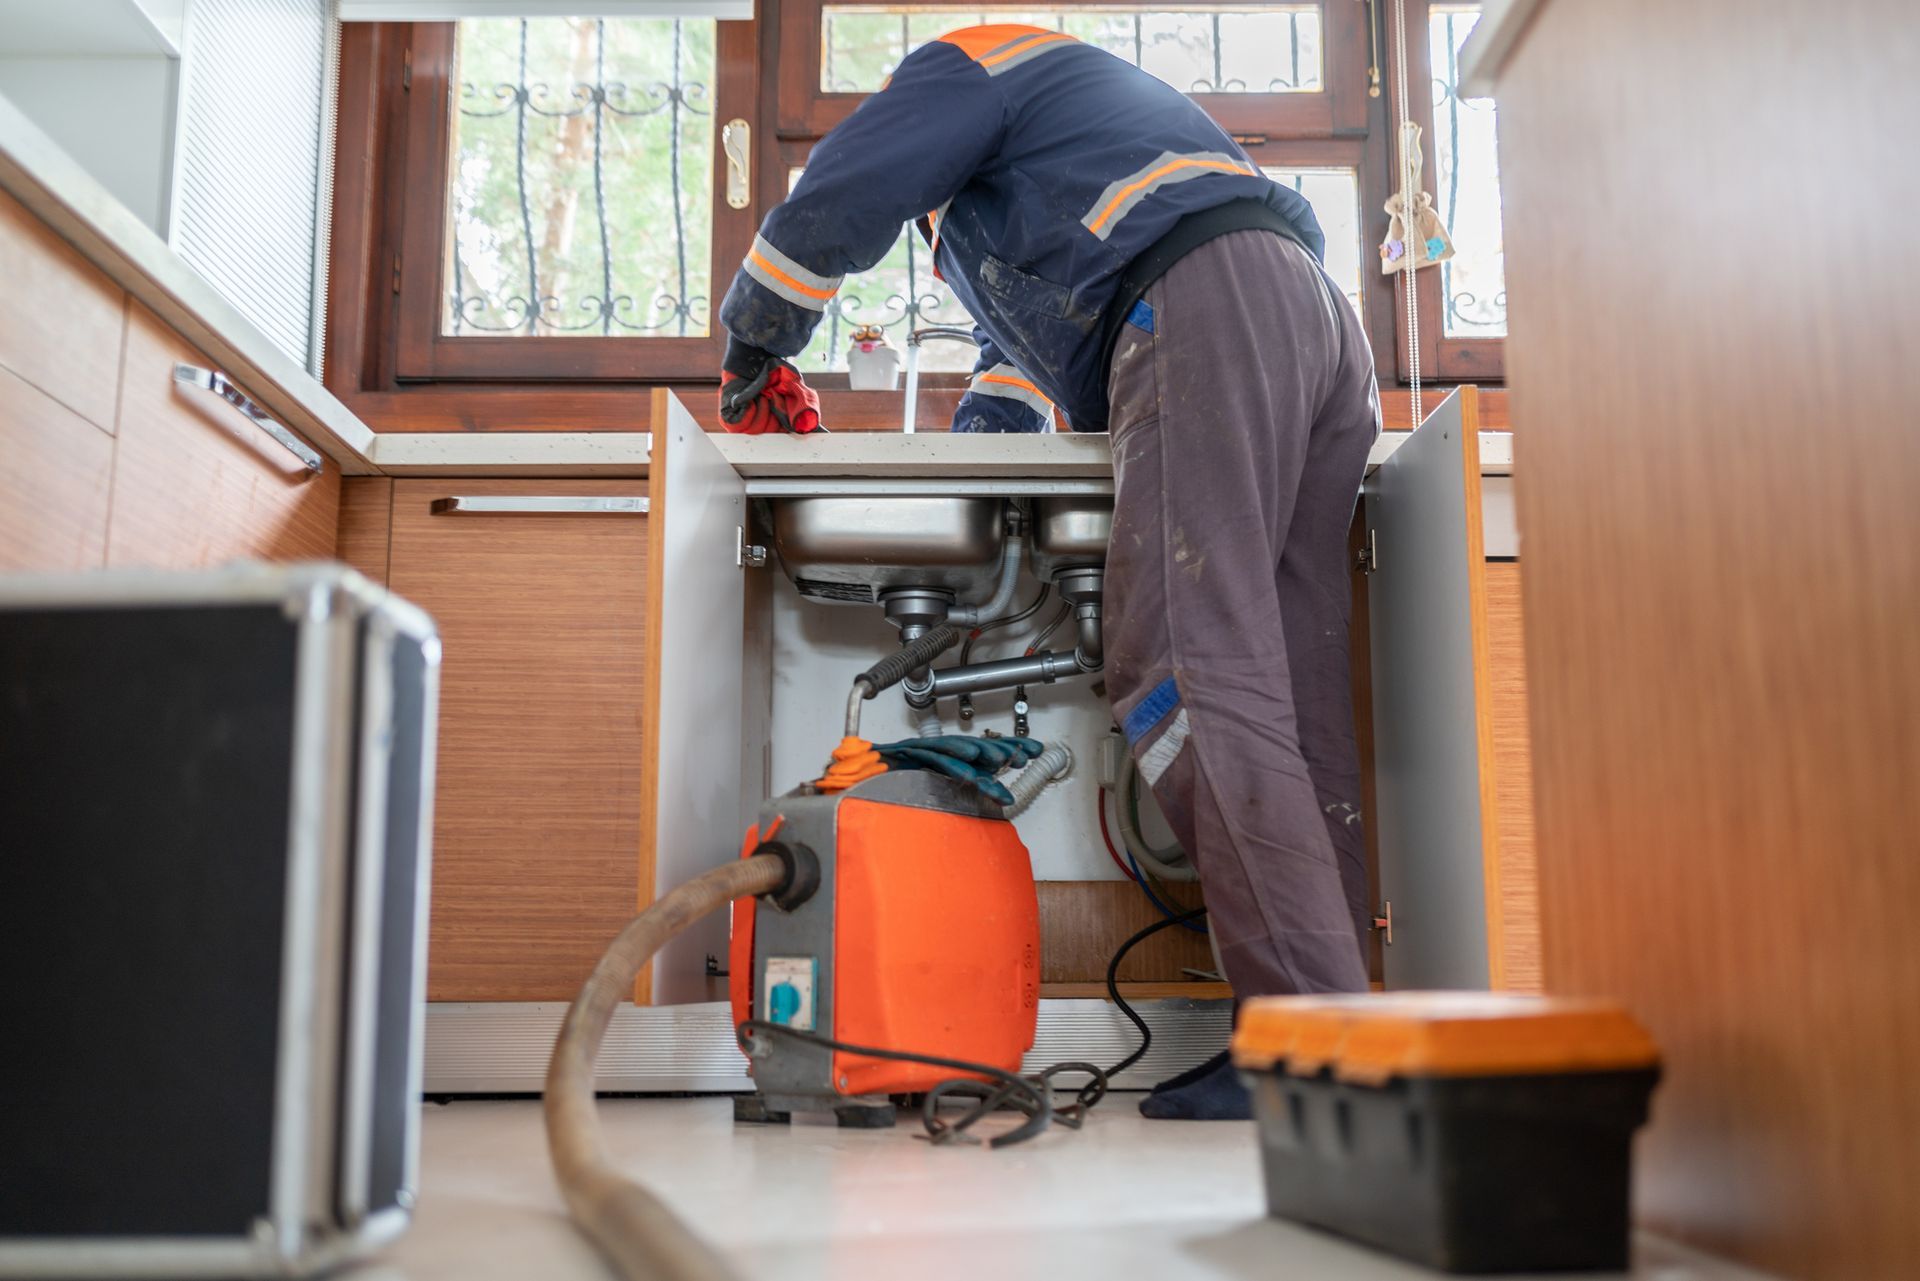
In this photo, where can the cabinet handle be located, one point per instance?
(518, 505)
(216, 382)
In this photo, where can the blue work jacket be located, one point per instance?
(1038, 167)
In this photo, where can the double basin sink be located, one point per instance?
(852, 549)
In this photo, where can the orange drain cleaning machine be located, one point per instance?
(911, 926)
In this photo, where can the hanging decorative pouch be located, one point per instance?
(1417, 239)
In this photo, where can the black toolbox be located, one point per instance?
(1470, 1132)
(215, 809)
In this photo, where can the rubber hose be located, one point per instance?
(906, 660)
(1153, 860)
(1054, 763)
(635, 1231)
(928, 725)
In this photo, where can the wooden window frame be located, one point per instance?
(1442, 359)
(806, 111)
(423, 353)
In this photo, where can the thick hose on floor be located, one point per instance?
(1054, 763)
(636, 1232)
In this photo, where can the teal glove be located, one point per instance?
(973, 761)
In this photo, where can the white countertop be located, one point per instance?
(56, 189)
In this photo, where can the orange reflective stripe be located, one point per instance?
(977, 42)
(759, 260)
(1050, 37)
(1120, 198)
(1021, 383)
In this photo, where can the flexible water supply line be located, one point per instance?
(633, 1228)
(1051, 765)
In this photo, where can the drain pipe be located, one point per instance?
(1083, 587)
(1051, 765)
(1010, 560)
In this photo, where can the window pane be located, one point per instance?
(1335, 197)
(1467, 173)
(581, 195)
(898, 290)
(1271, 49)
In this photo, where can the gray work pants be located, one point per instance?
(1241, 424)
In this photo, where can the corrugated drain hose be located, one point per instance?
(637, 1233)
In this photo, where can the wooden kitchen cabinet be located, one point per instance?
(538, 809)
(56, 470)
(63, 332)
(195, 482)
(1452, 801)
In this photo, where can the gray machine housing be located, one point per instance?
(216, 792)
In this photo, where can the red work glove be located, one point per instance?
(760, 392)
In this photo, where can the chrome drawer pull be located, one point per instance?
(518, 505)
(216, 382)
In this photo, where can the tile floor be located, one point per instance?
(1122, 1198)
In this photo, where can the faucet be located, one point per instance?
(915, 337)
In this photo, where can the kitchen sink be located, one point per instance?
(853, 549)
(1070, 533)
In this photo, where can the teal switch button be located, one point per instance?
(783, 1002)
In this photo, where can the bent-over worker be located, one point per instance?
(1128, 264)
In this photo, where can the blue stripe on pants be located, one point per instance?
(1152, 709)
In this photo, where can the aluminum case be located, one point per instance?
(217, 790)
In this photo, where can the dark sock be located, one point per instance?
(1191, 1075)
(1216, 1095)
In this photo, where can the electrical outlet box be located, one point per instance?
(1113, 751)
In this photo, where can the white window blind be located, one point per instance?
(253, 175)
(454, 10)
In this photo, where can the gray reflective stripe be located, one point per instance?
(1160, 757)
(992, 382)
(1041, 43)
(787, 278)
(1123, 195)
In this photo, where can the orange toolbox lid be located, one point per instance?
(1371, 1038)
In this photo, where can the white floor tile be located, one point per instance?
(1122, 1198)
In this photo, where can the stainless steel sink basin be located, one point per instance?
(1070, 533)
(852, 549)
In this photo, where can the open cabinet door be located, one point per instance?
(1432, 711)
(693, 801)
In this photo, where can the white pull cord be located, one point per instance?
(1409, 197)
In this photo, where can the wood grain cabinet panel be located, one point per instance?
(537, 832)
(195, 483)
(1513, 780)
(55, 472)
(62, 331)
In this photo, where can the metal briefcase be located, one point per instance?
(215, 815)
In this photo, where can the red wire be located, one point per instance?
(1100, 803)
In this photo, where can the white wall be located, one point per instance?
(113, 115)
(818, 649)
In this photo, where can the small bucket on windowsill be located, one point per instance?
(872, 364)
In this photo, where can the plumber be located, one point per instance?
(1131, 269)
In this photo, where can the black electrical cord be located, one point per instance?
(1030, 1095)
(1113, 986)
